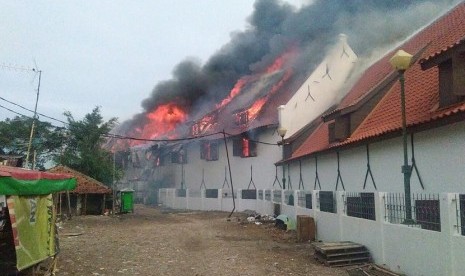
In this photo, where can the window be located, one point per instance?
(242, 118)
(452, 81)
(209, 150)
(195, 129)
(244, 147)
(159, 161)
(179, 156)
(332, 132)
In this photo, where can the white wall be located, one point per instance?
(324, 84)
(263, 168)
(439, 154)
(400, 248)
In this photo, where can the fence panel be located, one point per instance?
(277, 196)
(327, 201)
(304, 199)
(425, 210)
(289, 197)
(360, 205)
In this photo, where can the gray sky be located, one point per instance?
(107, 53)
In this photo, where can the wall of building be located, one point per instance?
(321, 89)
(439, 155)
(398, 247)
(212, 173)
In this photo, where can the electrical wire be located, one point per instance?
(121, 137)
(17, 113)
(45, 116)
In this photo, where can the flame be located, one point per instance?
(235, 91)
(279, 62)
(256, 107)
(163, 120)
(245, 147)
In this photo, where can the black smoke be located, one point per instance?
(273, 27)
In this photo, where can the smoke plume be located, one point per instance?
(272, 28)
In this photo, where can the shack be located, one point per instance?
(90, 197)
(28, 240)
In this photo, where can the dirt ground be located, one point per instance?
(152, 241)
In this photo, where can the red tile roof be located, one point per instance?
(317, 141)
(421, 87)
(85, 184)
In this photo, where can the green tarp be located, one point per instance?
(18, 181)
(11, 186)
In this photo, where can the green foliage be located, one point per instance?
(83, 149)
(46, 142)
(79, 146)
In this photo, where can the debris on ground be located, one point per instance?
(370, 270)
(153, 242)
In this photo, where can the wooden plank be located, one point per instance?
(347, 253)
(326, 249)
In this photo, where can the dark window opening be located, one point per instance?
(449, 83)
(179, 157)
(209, 150)
(244, 147)
(332, 132)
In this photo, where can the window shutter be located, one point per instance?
(214, 151)
(237, 147)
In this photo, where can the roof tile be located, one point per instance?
(421, 87)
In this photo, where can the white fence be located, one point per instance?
(401, 248)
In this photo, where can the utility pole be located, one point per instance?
(24, 69)
(26, 165)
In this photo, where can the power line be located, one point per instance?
(121, 137)
(43, 115)
(17, 113)
(117, 136)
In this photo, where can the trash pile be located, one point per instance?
(283, 222)
(258, 219)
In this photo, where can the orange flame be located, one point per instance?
(256, 107)
(162, 121)
(234, 92)
(281, 60)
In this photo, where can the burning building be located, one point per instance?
(239, 89)
(248, 119)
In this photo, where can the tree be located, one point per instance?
(46, 142)
(83, 149)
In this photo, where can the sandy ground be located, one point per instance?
(153, 241)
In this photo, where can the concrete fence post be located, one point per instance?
(239, 200)
(220, 199)
(202, 199)
(173, 198)
(341, 211)
(448, 219)
(380, 213)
